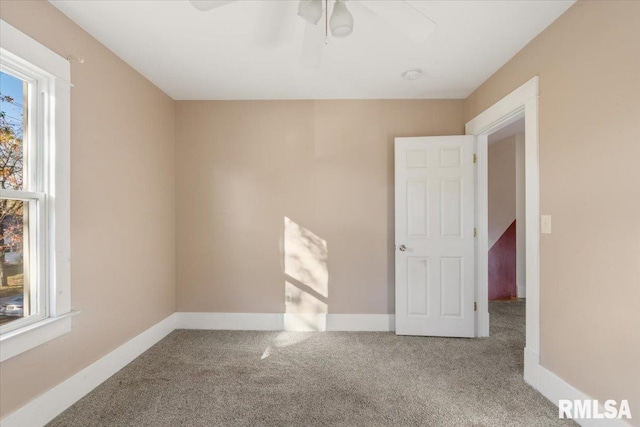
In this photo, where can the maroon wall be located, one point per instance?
(502, 266)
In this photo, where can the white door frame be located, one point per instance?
(522, 102)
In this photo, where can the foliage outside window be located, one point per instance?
(13, 212)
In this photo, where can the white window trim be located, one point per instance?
(17, 46)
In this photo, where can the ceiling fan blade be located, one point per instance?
(406, 18)
(273, 20)
(205, 5)
(314, 38)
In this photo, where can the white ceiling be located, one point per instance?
(251, 49)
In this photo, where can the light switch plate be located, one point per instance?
(545, 224)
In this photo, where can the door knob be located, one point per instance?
(403, 248)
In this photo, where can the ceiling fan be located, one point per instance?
(399, 13)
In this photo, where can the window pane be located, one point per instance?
(13, 240)
(12, 126)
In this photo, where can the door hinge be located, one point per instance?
(475, 232)
(475, 158)
(475, 306)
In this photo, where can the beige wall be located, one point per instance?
(589, 67)
(327, 165)
(122, 190)
(502, 187)
(242, 167)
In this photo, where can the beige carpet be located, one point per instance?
(234, 378)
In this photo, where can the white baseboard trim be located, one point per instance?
(47, 406)
(555, 388)
(361, 322)
(230, 321)
(318, 322)
(305, 322)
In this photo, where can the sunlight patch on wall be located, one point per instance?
(305, 257)
(306, 278)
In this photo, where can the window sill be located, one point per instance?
(23, 339)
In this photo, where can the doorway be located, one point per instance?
(506, 216)
(520, 104)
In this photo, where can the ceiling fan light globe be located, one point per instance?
(341, 22)
(343, 31)
(310, 10)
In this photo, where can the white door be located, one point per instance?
(434, 236)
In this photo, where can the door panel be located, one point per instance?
(418, 222)
(451, 208)
(417, 275)
(434, 236)
(451, 286)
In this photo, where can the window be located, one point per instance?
(34, 193)
(22, 203)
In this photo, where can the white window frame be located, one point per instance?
(49, 135)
